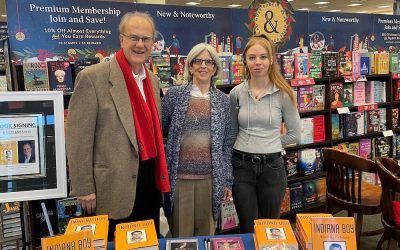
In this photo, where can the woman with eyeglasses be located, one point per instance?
(196, 116)
(259, 105)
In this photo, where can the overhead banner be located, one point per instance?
(69, 29)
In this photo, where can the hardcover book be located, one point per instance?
(60, 76)
(330, 64)
(227, 243)
(296, 196)
(345, 64)
(369, 92)
(75, 240)
(336, 94)
(348, 95)
(229, 217)
(316, 65)
(84, 62)
(359, 93)
(174, 244)
(309, 192)
(288, 66)
(356, 63)
(307, 133)
(320, 186)
(237, 69)
(372, 118)
(354, 148)
(291, 159)
(98, 225)
(395, 117)
(301, 65)
(360, 117)
(337, 132)
(36, 76)
(364, 64)
(350, 124)
(225, 63)
(140, 234)
(319, 97)
(339, 232)
(319, 161)
(319, 128)
(382, 119)
(67, 209)
(382, 146)
(286, 202)
(274, 234)
(365, 148)
(307, 158)
(303, 226)
(305, 100)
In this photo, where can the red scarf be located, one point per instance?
(147, 123)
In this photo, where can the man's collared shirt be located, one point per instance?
(139, 80)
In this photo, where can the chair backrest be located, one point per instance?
(344, 174)
(390, 164)
(390, 186)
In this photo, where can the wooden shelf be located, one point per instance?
(374, 134)
(310, 145)
(316, 175)
(317, 206)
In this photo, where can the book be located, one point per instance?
(372, 118)
(98, 225)
(229, 217)
(347, 95)
(301, 65)
(364, 64)
(339, 232)
(365, 148)
(75, 240)
(286, 202)
(320, 186)
(309, 192)
(138, 234)
(288, 66)
(359, 93)
(35, 76)
(303, 226)
(307, 133)
(395, 117)
(296, 196)
(307, 158)
(319, 128)
(319, 161)
(39, 226)
(356, 64)
(274, 234)
(3, 84)
(180, 244)
(319, 97)
(305, 98)
(337, 132)
(84, 62)
(345, 66)
(291, 159)
(336, 95)
(237, 69)
(316, 65)
(60, 76)
(227, 243)
(329, 66)
(67, 209)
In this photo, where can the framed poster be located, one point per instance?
(32, 146)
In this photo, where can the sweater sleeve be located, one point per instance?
(234, 104)
(291, 118)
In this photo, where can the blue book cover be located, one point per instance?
(364, 61)
(307, 158)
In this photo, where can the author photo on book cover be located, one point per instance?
(335, 245)
(197, 118)
(26, 151)
(275, 233)
(259, 105)
(114, 139)
(91, 227)
(136, 236)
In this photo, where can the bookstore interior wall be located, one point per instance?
(344, 74)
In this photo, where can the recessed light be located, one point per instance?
(290, 0)
(335, 10)
(323, 6)
(361, 12)
(192, 3)
(304, 9)
(383, 6)
(354, 4)
(321, 2)
(3, 15)
(234, 5)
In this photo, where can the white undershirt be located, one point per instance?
(139, 80)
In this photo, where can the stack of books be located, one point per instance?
(98, 225)
(136, 235)
(274, 234)
(11, 229)
(303, 228)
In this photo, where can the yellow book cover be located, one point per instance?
(337, 233)
(8, 153)
(75, 240)
(135, 235)
(97, 224)
(303, 223)
(275, 234)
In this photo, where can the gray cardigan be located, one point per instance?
(174, 107)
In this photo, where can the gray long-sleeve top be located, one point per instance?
(256, 124)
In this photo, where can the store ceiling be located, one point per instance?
(368, 6)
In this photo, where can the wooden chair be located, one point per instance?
(390, 187)
(345, 189)
(390, 165)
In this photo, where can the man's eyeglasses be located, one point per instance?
(145, 39)
(199, 62)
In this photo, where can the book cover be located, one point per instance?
(3, 84)
(320, 186)
(227, 243)
(369, 92)
(319, 160)
(288, 66)
(237, 69)
(344, 147)
(348, 95)
(330, 66)
(309, 192)
(396, 90)
(354, 148)
(180, 244)
(60, 76)
(137, 234)
(319, 97)
(356, 63)
(319, 128)
(372, 118)
(307, 158)
(345, 63)
(291, 159)
(359, 93)
(364, 64)
(303, 224)
(225, 65)
(382, 146)
(84, 62)
(365, 148)
(67, 209)
(301, 65)
(39, 226)
(393, 62)
(360, 119)
(229, 217)
(350, 124)
(98, 225)
(395, 117)
(339, 232)
(336, 95)
(307, 133)
(35, 76)
(275, 234)
(382, 119)
(286, 202)
(305, 98)
(75, 240)
(336, 126)
(296, 196)
(316, 65)
(178, 68)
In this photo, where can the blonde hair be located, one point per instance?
(274, 72)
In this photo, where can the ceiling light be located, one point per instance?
(354, 4)
(290, 0)
(3, 15)
(234, 5)
(361, 12)
(305, 9)
(321, 2)
(383, 6)
(323, 6)
(192, 3)
(334, 10)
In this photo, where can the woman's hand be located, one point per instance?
(227, 194)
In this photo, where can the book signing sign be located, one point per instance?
(69, 29)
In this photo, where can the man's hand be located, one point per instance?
(227, 194)
(88, 203)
